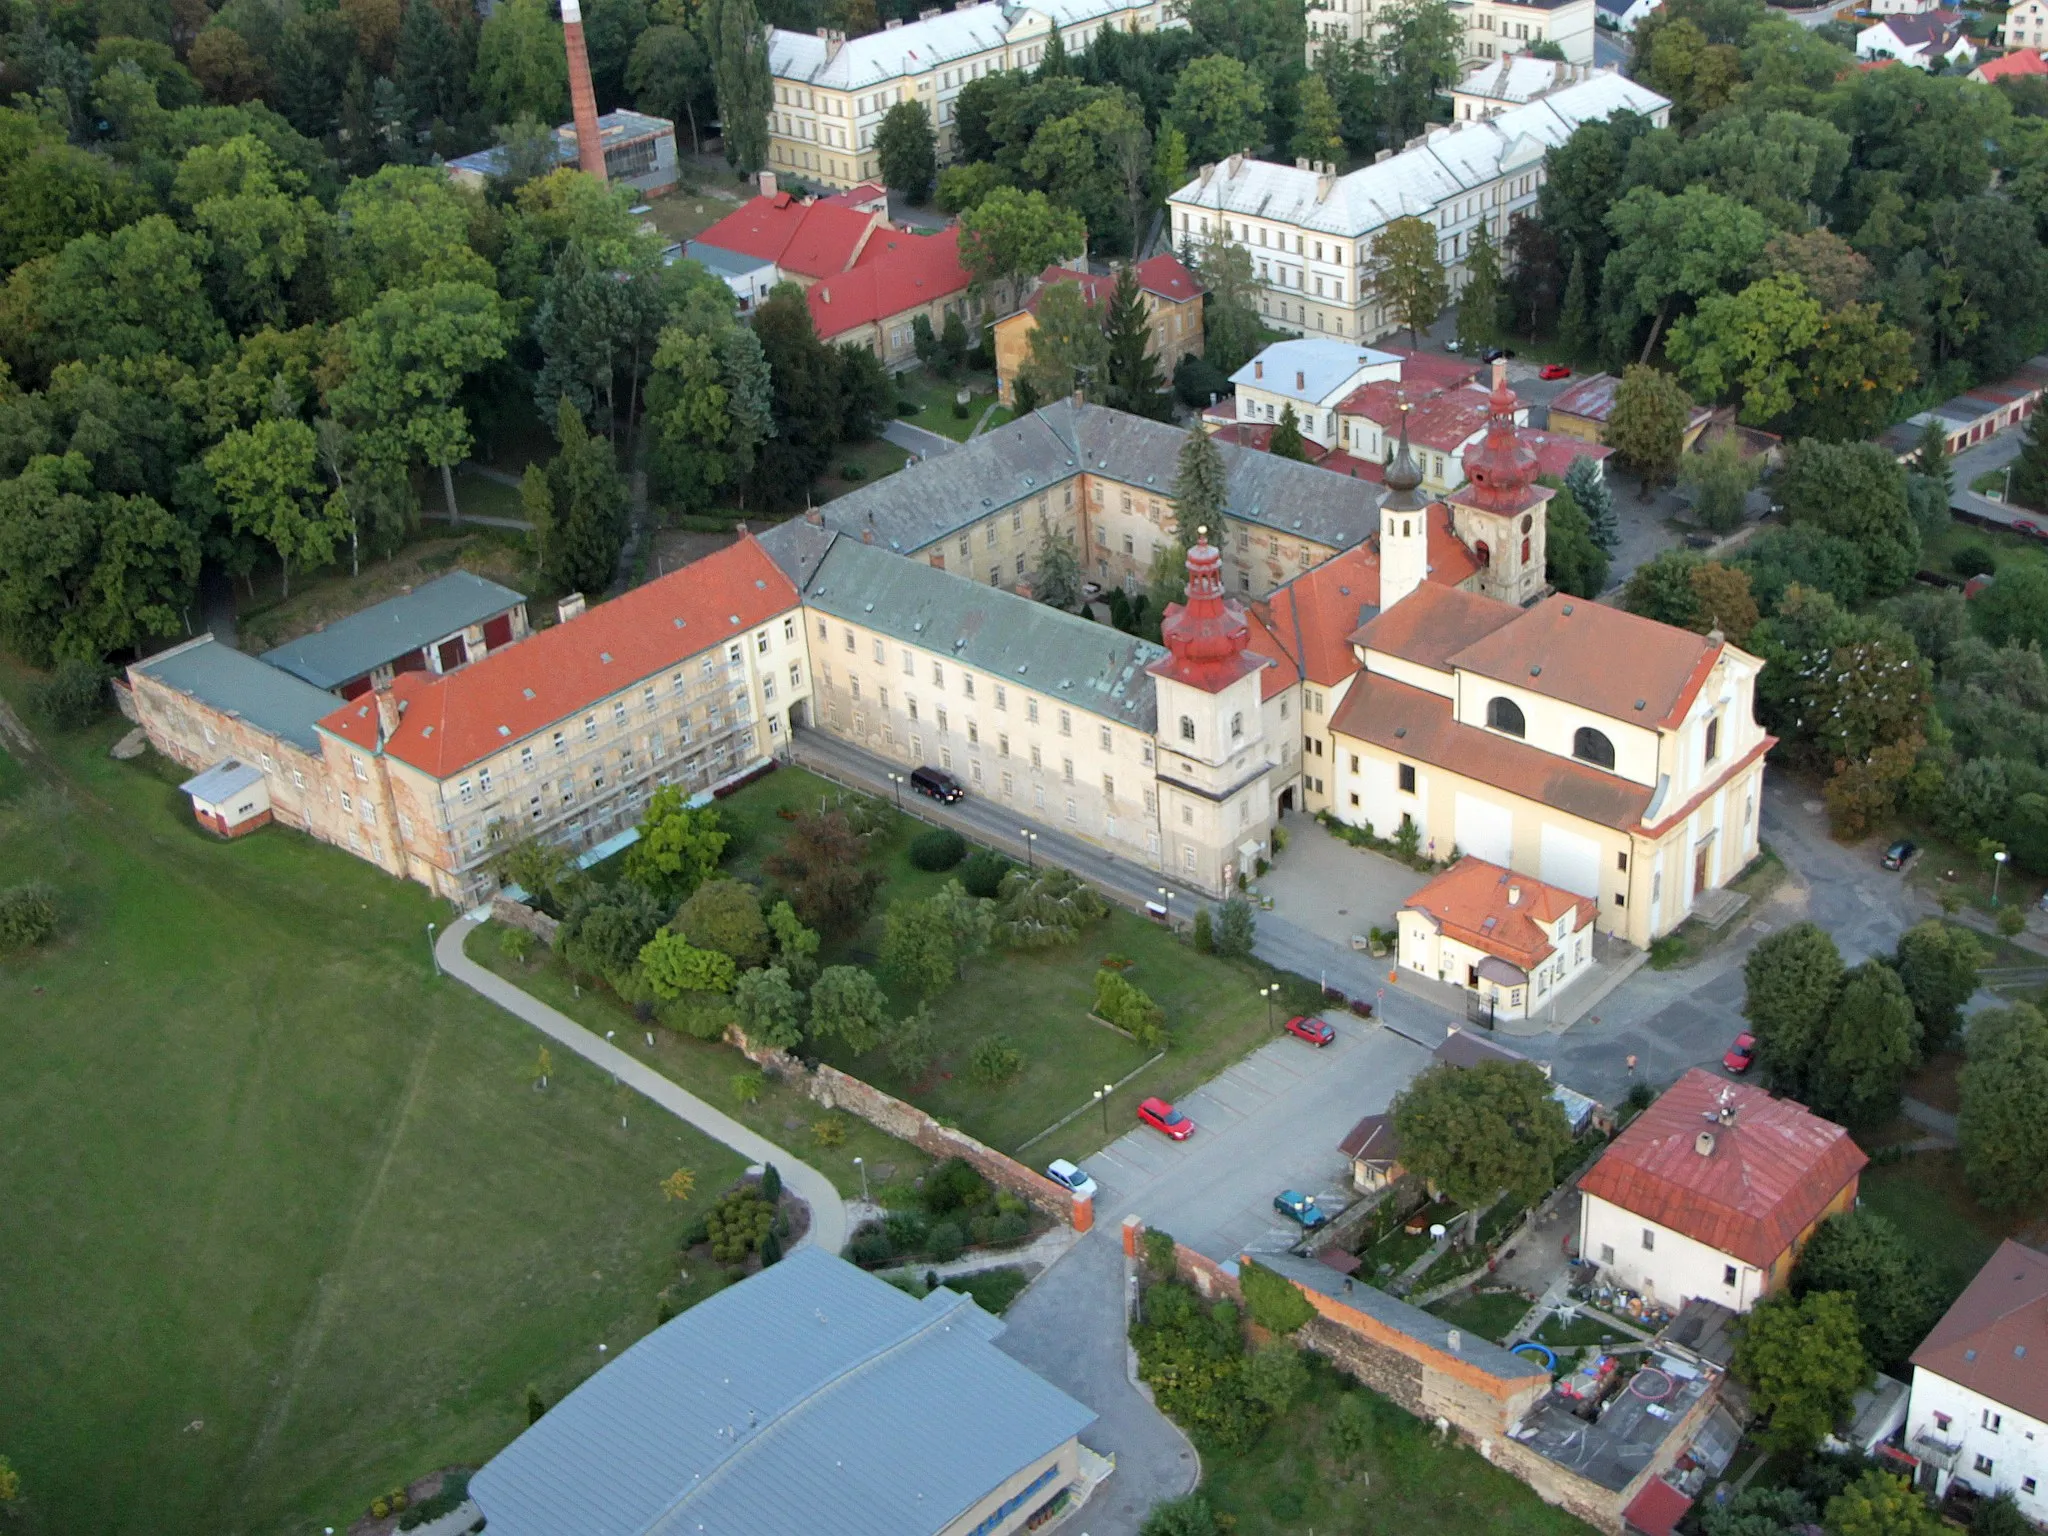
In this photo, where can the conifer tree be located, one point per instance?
(1134, 381)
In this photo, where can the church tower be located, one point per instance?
(1499, 512)
(1404, 526)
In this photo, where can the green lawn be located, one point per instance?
(2005, 548)
(992, 1289)
(1581, 1330)
(287, 1223)
(480, 496)
(1490, 1317)
(873, 459)
(935, 396)
(1926, 1198)
(1289, 1482)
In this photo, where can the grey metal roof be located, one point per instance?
(223, 779)
(1324, 363)
(797, 546)
(362, 642)
(716, 258)
(1005, 637)
(267, 697)
(1023, 459)
(810, 1397)
(1394, 1313)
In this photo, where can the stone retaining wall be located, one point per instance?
(517, 914)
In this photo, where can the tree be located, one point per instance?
(796, 947)
(2014, 610)
(1575, 312)
(1236, 926)
(911, 1042)
(738, 43)
(2029, 486)
(1219, 107)
(1420, 46)
(1271, 1300)
(1044, 908)
(1012, 235)
(674, 966)
(770, 1008)
(710, 406)
(1318, 129)
(1803, 1360)
(1937, 964)
(1720, 479)
(847, 1004)
(1134, 382)
(920, 946)
(1646, 428)
(543, 870)
(269, 479)
(586, 506)
(1479, 304)
(1201, 488)
(1793, 980)
(1931, 458)
(819, 864)
(606, 928)
(133, 293)
(677, 850)
(1286, 442)
(1671, 249)
(1590, 490)
(1231, 328)
(521, 64)
(1573, 561)
(1475, 1133)
(669, 73)
(1067, 346)
(428, 66)
(1856, 491)
(1873, 1041)
(1880, 1503)
(725, 915)
(906, 150)
(2002, 1123)
(1057, 582)
(1407, 276)
(405, 227)
(1864, 1257)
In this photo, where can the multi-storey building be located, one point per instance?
(831, 93)
(1492, 29)
(1309, 231)
(1173, 313)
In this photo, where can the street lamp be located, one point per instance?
(863, 1167)
(1102, 1098)
(1166, 897)
(1267, 993)
(897, 780)
(1997, 869)
(1029, 837)
(436, 958)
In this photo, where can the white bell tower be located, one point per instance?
(1404, 526)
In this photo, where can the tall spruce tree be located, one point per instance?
(739, 75)
(1479, 305)
(1134, 381)
(1589, 488)
(1575, 315)
(588, 497)
(429, 65)
(1287, 441)
(1201, 488)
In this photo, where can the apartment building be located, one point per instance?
(832, 92)
(1309, 231)
(1493, 29)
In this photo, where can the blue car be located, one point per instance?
(1300, 1208)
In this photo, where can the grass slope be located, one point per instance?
(287, 1224)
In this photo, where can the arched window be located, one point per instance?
(1591, 746)
(1481, 553)
(1505, 715)
(1187, 727)
(1237, 727)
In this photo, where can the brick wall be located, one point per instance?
(517, 914)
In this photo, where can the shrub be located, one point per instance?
(906, 1231)
(72, 696)
(960, 410)
(1972, 560)
(946, 1241)
(1130, 1010)
(850, 472)
(982, 874)
(746, 1087)
(829, 1131)
(994, 1060)
(1159, 1253)
(955, 1185)
(1235, 928)
(1009, 1228)
(938, 848)
(28, 914)
(2011, 920)
(517, 944)
(698, 1231)
(737, 1224)
(870, 1247)
(771, 1250)
(1205, 932)
(771, 1183)
(454, 1489)
(1273, 1301)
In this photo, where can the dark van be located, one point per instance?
(937, 783)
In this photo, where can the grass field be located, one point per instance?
(1926, 1198)
(874, 459)
(1490, 1317)
(936, 395)
(286, 1223)
(1289, 1482)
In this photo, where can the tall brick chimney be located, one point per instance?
(582, 99)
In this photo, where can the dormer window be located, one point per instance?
(1505, 715)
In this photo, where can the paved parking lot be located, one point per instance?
(1332, 889)
(1271, 1122)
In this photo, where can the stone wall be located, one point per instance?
(834, 1089)
(517, 914)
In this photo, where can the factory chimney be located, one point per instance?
(582, 99)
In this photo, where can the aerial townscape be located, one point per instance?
(1131, 767)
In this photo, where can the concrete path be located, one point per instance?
(1069, 1327)
(1045, 1250)
(918, 440)
(828, 1210)
(1939, 1121)
(479, 519)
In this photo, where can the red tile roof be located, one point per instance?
(1167, 277)
(898, 271)
(2023, 61)
(1434, 623)
(1995, 1338)
(1614, 663)
(1498, 911)
(1657, 1510)
(1770, 1170)
(1161, 275)
(1444, 421)
(450, 720)
(810, 239)
(1556, 452)
(1261, 641)
(1373, 1139)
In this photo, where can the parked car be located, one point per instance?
(2031, 530)
(1900, 854)
(938, 784)
(1315, 1031)
(1555, 371)
(1060, 1171)
(1740, 1056)
(1296, 1206)
(1495, 354)
(1162, 1116)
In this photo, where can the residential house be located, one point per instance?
(831, 93)
(1508, 939)
(1581, 411)
(1173, 311)
(2025, 25)
(1374, 1152)
(1712, 1191)
(1309, 232)
(899, 278)
(2012, 66)
(1312, 375)
(809, 1395)
(449, 622)
(807, 239)
(639, 152)
(1979, 1409)
(1918, 39)
(1492, 29)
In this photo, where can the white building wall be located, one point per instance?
(2011, 1445)
(1665, 1265)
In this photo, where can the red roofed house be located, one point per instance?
(1497, 934)
(899, 276)
(1979, 1410)
(807, 239)
(2024, 61)
(1173, 302)
(1712, 1191)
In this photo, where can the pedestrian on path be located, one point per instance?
(1631, 1064)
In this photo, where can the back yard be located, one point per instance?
(288, 1222)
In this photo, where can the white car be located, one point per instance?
(1060, 1171)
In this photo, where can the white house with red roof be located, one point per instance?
(1712, 1191)
(1504, 937)
(1979, 1408)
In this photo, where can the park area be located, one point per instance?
(289, 1223)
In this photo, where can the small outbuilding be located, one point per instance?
(230, 798)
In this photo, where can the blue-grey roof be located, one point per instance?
(997, 633)
(716, 258)
(1392, 1312)
(1323, 363)
(810, 1397)
(268, 698)
(224, 778)
(1035, 454)
(350, 647)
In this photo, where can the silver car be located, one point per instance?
(1060, 1171)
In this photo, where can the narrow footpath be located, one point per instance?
(828, 1209)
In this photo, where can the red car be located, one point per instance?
(1742, 1054)
(1314, 1031)
(2031, 530)
(1556, 371)
(1162, 1116)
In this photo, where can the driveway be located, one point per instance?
(1333, 890)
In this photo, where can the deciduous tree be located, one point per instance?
(770, 1008)
(1938, 964)
(674, 966)
(738, 43)
(1407, 275)
(1880, 1503)
(1646, 428)
(1067, 349)
(1803, 1361)
(1873, 1041)
(1011, 235)
(906, 150)
(1219, 107)
(820, 865)
(847, 1005)
(678, 848)
(268, 477)
(1478, 1132)
(1864, 1257)
(1793, 980)
(2002, 1123)
(521, 64)
(725, 915)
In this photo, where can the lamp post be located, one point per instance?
(897, 780)
(863, 1167)
(1997, 869)
(1166, 897)
(1102, 1098)
(1029, 837)
(1267, 993)
(437, 959)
